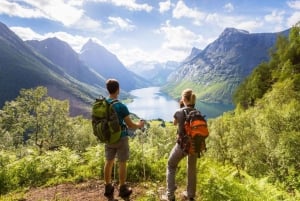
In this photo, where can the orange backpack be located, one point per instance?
(196, 131)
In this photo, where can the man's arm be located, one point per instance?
(132, 124)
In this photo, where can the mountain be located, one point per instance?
(215, 72)
(153, 71)
(195, 51)
(61, 54)
(22, 67)
(109, 66)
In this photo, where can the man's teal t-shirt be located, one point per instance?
(122, 112)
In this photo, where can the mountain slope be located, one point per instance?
(21, 67)
(215, 72)
(108, 65)
(60, 53)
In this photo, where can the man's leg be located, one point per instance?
(122, 173)
(107, 170)
(110, 154)
(123, 156)
(109, 163)
(124, 191)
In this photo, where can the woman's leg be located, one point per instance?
(192, 175)
(175, 157)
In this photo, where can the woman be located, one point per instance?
(188, 100)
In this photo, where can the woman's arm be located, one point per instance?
(175, 122)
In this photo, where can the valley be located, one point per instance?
(213, 73)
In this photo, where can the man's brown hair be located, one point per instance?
(112, 85)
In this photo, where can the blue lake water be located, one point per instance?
(150, 103)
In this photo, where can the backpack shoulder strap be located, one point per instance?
(186, 112)
(114, 101)
(111, 101)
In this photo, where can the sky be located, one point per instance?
(145, 30)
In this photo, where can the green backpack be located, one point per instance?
(105, 121)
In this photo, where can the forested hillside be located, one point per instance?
(284, 66)
(262, 136)
(253, 152)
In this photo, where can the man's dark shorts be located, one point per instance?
(119, 149)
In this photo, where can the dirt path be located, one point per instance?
(87, 191)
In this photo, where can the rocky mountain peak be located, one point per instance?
(195, 51)
(90, 44)
(95, 49)
(233, 31)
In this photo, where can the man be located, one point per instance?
(121, 148)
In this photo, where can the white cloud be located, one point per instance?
(217, 22)
(294, 4)
(182, 11)
(249, 25)
(295, 18)
(164, 55)
(214, 18)
(275, 17)
(76, 2)
(75, 41)
(179, 38)
(125, 54)
(87, 23)
(129, 4)
(164, 6)
(229, 7)
(26, 33)
(124, 24)
(15, 9)
(56, 10)
(177, 46)
(161, 54)
(132, 5)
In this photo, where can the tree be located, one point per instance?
(33, 118)
(19, 117)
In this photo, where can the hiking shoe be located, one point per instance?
(166, 197)
(125, 191)
(109, 191)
